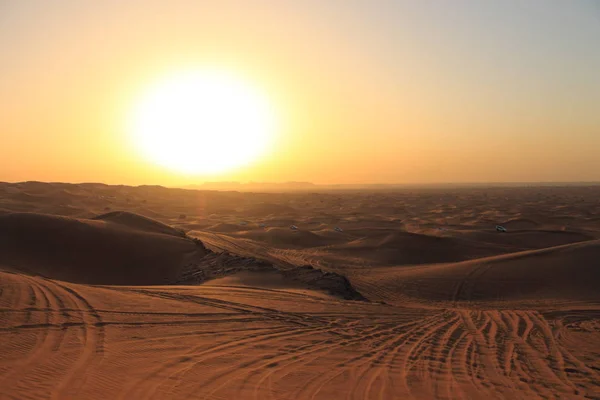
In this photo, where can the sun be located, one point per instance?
(202, 122)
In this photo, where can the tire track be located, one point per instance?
(286, 317)
(283, 356)
(327, 350)
(494, 374)
(271, 362)
(47, 340)
(390, 347)
(455, 374)
(306, 322)
(93, 344)
(226, 376)
(412, 358)
(314, 385)
(190, 360)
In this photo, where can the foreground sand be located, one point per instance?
(458, 312)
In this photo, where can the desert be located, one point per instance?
(299, 200)
(147, 292)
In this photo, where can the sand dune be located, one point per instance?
(266, 209)
(122, 248)
(406, 248)
(529, 239)
(153, 293)
(287, 238)
(137, 222)
(128, 251)
(563, 273)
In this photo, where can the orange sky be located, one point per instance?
(367, 92)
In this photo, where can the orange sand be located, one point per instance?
(418, 296)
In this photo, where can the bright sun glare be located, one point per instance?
(202, 122)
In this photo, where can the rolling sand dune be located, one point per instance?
(406, 248)
(110, 250)
(137, 222)
(530, 239)
(569, 272)
(168, 295)
(287, 238)
(266, 209)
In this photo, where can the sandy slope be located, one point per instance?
(64, 340)
(98, 251)
(454, 310)
(562, 273)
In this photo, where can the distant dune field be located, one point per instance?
(117, 292)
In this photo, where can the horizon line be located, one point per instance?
(300, 185)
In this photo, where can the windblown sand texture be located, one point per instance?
(117, 292)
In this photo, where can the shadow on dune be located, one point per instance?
(122, 248)
(131, 250)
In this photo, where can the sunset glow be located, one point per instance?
(202, 122)
(349, 92)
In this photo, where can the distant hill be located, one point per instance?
(255, 186)
(309, 186)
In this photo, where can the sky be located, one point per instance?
(366, 91)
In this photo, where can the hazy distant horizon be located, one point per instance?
(309, 186)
